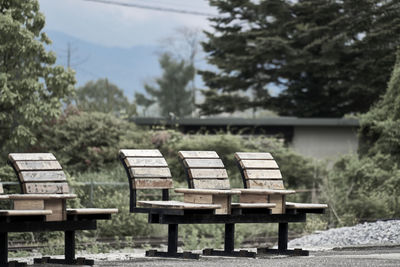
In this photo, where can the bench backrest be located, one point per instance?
(204, 170)
(146, 169)
(259, 170)
(39, 173)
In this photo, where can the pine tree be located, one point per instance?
(31, 86)
(171, 93)
(329, 58)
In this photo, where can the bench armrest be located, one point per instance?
(266, 191)
(41, 196)
(207, 191)
(2, 197)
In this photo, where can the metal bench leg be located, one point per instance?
(229, 246)
(4, 253)
(172, 246)
(69, 252)
(283, 244)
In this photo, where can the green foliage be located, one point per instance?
(171, 92)
(85, 141)
(360, 189)
(103, 96)
(380, 127)
(31, 86)
(329, 58)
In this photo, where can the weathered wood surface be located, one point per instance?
(43, 196)
(258, 164)
(152, 183)
(146, 162)
(265, 191)
(252, 155)
(206, 191)
(211, 183)
(208, 173)
(42, 176)
(198, 154)
(29, 204)
(91, 211)
(148, 172)
(176, 205)
(24, 212)
(31, 156)
(279, 200)
(293, 205)
(262, 174)
(140, 153)
(58, 209)
(253, 198)
(224, 201)
(265, 184)
(204, 163)
(253, 205)
(46, 188)
(198, 198)
(37, 165)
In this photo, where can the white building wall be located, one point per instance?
(324, 143)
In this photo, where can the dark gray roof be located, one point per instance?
(275, 121)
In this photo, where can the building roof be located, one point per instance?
(224, 121)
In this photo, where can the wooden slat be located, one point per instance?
(152, 183)
(149, 153)
(150, 172)
(43, 176)
(208, 173)
(211, 184)
(37, 165)
(264, 184)
(176, 205)
(263, 174)
(24, 212)
(253, 205)
(146, 162)
(293, 205)
(29, 204)
(201, 191)
(46, 188)
(1, 189)
(258, 164)
(279, 200)
(203, 163)
(31, 156)
(252, 155)
(92, 211)
(198, 154)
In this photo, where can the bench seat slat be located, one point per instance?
(37, 165)
(203, 163)
(265, 184)
(172, 204)
(31, 156)
(46, 188)
(252, 155)
(152, 183)
(24, 212)
(211, 184)
(146, 162)
(208, 173)
(293, 205)
(42, 176)
(92, 211)
(198, 154)
(148, 172)
(258, 164)
(140, 153)
(262, 174)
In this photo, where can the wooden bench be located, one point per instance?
(262, 181)
(9, 217)
(208, 182)
(44, 187)
(147, 169)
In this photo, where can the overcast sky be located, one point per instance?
(121, 26)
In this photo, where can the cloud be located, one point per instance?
(118, 26)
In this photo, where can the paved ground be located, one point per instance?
(372, 257)
(375, 256)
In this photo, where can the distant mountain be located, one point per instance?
(128, 68)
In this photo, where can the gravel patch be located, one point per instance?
(377, 233)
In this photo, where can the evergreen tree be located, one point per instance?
(380, 127)
(171, 93)
(31, 86)
(105, 97)
(327, 57)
